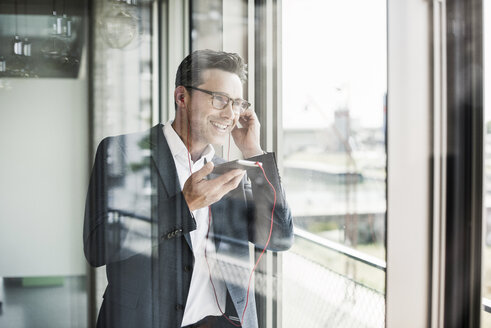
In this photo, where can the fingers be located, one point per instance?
(248, 119)
(203, 172)
(226, 182)
(233, 183)
(227, 177)
(229, 185)
(248, 113)
(244, 122)
(201, 193)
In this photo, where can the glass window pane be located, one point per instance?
(43, 163)
(334, 160)
(122, 83)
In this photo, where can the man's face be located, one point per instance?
(208, 124)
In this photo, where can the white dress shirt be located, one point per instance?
(201, 298)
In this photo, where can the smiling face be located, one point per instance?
(208, 124)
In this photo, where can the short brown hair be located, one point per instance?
(190, 69)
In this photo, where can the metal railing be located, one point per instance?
(325, 243)
(359, 256)
(300, 233)
(342, 249)
(316, 294)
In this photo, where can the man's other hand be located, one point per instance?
(200, 192)
(247, 136)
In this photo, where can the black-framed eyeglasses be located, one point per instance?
(220, 100)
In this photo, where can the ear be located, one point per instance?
(180, 96)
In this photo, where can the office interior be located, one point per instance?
(377, 112)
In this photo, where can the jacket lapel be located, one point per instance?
(163, 160)
(166, 168)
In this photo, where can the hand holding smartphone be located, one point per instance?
(237, 164)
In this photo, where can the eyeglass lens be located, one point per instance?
(220, 102)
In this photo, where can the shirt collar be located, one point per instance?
(177, 147)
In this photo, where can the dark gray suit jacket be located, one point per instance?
(137, 223)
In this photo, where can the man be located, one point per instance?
(174, 236)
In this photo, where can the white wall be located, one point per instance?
(43, 176)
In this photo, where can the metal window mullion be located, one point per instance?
(156, 62)
(278, 85)
(250, 49)
(264, 54)
(270, 123)
(91, 31)
(178, 36)
(409, 135)
(164, 61)
(269, 75)
(465, 163)
(186, 14)
(251, 21)
(277, 263)
(478, 161)
(439, 164)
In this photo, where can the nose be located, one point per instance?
(228, 111)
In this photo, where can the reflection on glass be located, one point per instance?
(17, 45)
(67, 29)
(334, 158)
(3, 64)
(43, 282)
(38, 50)
(54, 23)
(122, 91)
(26, 47)
(54, 47)
(118, 25)
(207, 24)
(44, 301)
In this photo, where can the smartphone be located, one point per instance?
(237, 164)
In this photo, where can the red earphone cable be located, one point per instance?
(257, 262)
(208, 231)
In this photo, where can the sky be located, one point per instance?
(334, 55)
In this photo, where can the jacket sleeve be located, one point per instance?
(260, 201)
(104, 230)
(96, 212)
(122, 205)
